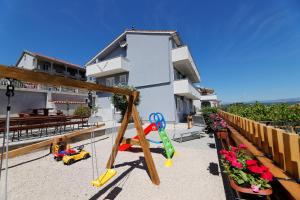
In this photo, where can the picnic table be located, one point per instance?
(42, 124)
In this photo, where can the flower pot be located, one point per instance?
(222, 134)
(238, 188)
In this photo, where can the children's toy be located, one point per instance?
(59, 156)
(79, 154)
(157, 123)
(61, 148)
(159, 120)
(147, 130)
(131, 112)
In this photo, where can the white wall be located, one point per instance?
(23, 101)
(27, 62)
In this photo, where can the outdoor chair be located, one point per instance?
(199, 127)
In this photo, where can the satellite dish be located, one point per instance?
(123, 44)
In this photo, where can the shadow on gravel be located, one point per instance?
(213, 169)
(120, 181)
(28, 161)
(212, 145)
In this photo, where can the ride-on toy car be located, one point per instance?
(59, 156)
(61, 149)
(70, 158)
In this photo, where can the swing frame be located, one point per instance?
(48, 79)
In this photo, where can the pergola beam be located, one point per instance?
(45, 78)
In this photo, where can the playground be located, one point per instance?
(37, 175)
(124, 163)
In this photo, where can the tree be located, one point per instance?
(120, 102)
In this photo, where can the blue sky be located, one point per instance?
(244, 49)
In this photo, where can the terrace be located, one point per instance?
(196, 171)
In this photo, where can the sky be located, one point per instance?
(245, 49)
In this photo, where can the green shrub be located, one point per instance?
(82, 111)
(120, 102)
(261, 112)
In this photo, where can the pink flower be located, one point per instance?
(267, 176)
(223, 152)
(255, 188)
(242, 146)
(236, 164)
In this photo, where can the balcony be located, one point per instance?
(185, 88)
(183, 62)
(211, 97)
(107, 67)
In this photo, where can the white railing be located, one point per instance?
(107, 67)
(38, 87)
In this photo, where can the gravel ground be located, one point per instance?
(194, 174)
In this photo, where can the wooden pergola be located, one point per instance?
(45, 78)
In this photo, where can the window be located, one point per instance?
(110, 81)
(123, 80)
(46, 67)
(179, 104)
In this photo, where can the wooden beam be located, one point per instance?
(148, 157)
(132, 141)
(45, 78)
(291, 187)
(120, 135)
(33, 147)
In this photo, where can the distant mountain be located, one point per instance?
(274, 101)
(287, 100)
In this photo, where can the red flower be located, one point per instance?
(242, 146)
(251, 162)
(267, 176)
(223, 152)
(232, 154)
(264, 168)
(255, 169)
(236, 164)
(234, 149)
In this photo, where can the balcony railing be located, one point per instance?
(185, 88)
(107, 67)
(183, 62)
(38, 87)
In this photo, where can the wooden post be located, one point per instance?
(120, 135)
(148, 157)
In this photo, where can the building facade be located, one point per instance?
(208, 99)
(154, 62)
(31, 95)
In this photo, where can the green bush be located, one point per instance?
(206, 112)
(120, 102)
(261, 112)
(82, 111)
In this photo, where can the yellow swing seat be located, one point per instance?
(103, 178)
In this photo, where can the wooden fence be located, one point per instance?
(283, 146)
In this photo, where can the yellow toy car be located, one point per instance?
(80, 154)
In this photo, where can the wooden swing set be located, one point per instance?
(45, 78)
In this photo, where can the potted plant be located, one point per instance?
(245, 174)
(219, 126)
